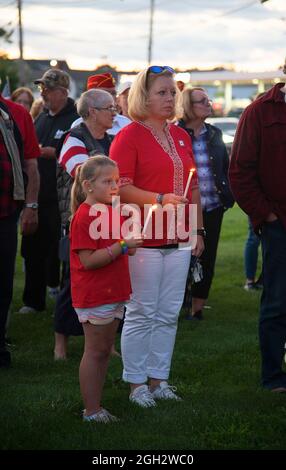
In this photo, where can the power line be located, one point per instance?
(235, 10)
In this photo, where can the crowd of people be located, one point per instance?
(70, 170)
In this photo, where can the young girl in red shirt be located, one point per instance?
(100, 282)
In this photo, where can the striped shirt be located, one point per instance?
(209, 197)
(73, 153)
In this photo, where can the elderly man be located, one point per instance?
(19, 151)
(257, 177)
(40, 251)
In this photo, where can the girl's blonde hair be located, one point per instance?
(187, 103)
(139, 94)
(90, 170)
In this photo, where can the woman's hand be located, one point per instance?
(199, 247)
(134, 242)
(171, 198)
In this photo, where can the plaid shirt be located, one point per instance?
(26, 136)
(209, 197)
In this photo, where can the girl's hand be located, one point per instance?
(171, 198)
(134, 242)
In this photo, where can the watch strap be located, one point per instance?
(32, 205)
(159, 198)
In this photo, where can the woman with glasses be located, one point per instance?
(212, 166)
(154, 159)
(96, 107)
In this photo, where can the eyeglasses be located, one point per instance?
(45, 89)
(112, 109)
(160, 69)
(204, 101)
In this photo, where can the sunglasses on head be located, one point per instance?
(160, 69)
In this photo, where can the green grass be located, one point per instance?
(216, 368)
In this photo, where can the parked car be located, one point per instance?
(228, 127)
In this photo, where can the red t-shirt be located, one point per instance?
(31, 150)
(145, 163)
(106, 285)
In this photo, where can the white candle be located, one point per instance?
(149, 215)
(189, 181)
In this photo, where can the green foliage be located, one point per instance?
(8, 68)
(6, 34)
(216, 368)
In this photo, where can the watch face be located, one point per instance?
(32, 205)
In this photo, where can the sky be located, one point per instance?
(243, 34)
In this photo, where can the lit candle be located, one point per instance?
(149, 215)
(192, 170)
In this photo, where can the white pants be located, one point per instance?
(158, 280)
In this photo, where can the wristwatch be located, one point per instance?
(159, 198)
(202, 232)
(32, 205)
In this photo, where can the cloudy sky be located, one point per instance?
(186, 33)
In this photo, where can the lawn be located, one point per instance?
(215, 367)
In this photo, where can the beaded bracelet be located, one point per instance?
(124, 247)
(110, 253)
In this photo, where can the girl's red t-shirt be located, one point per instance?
(106, 285)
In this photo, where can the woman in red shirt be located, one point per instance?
(100, 283)
(154, 160)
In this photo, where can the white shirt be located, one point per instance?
(119, 122)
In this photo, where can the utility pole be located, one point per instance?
(21, 61)
(152, 7)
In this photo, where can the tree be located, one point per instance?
(8, 68)
(5, 34)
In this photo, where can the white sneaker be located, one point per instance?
(101, 416)
(26, 309)
(164, 391)
(142, 397)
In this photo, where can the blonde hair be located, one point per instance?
(187, 103)
(90, 170)
(139, 94)
(37, 108)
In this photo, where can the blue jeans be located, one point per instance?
(272, 322)
(251, 253)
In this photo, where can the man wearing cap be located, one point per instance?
(40, 250)
(106, 82)
(122, 98)
(19, 151)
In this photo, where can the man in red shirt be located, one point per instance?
(257, 176)
(15, 117)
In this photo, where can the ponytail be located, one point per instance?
(77, 194)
